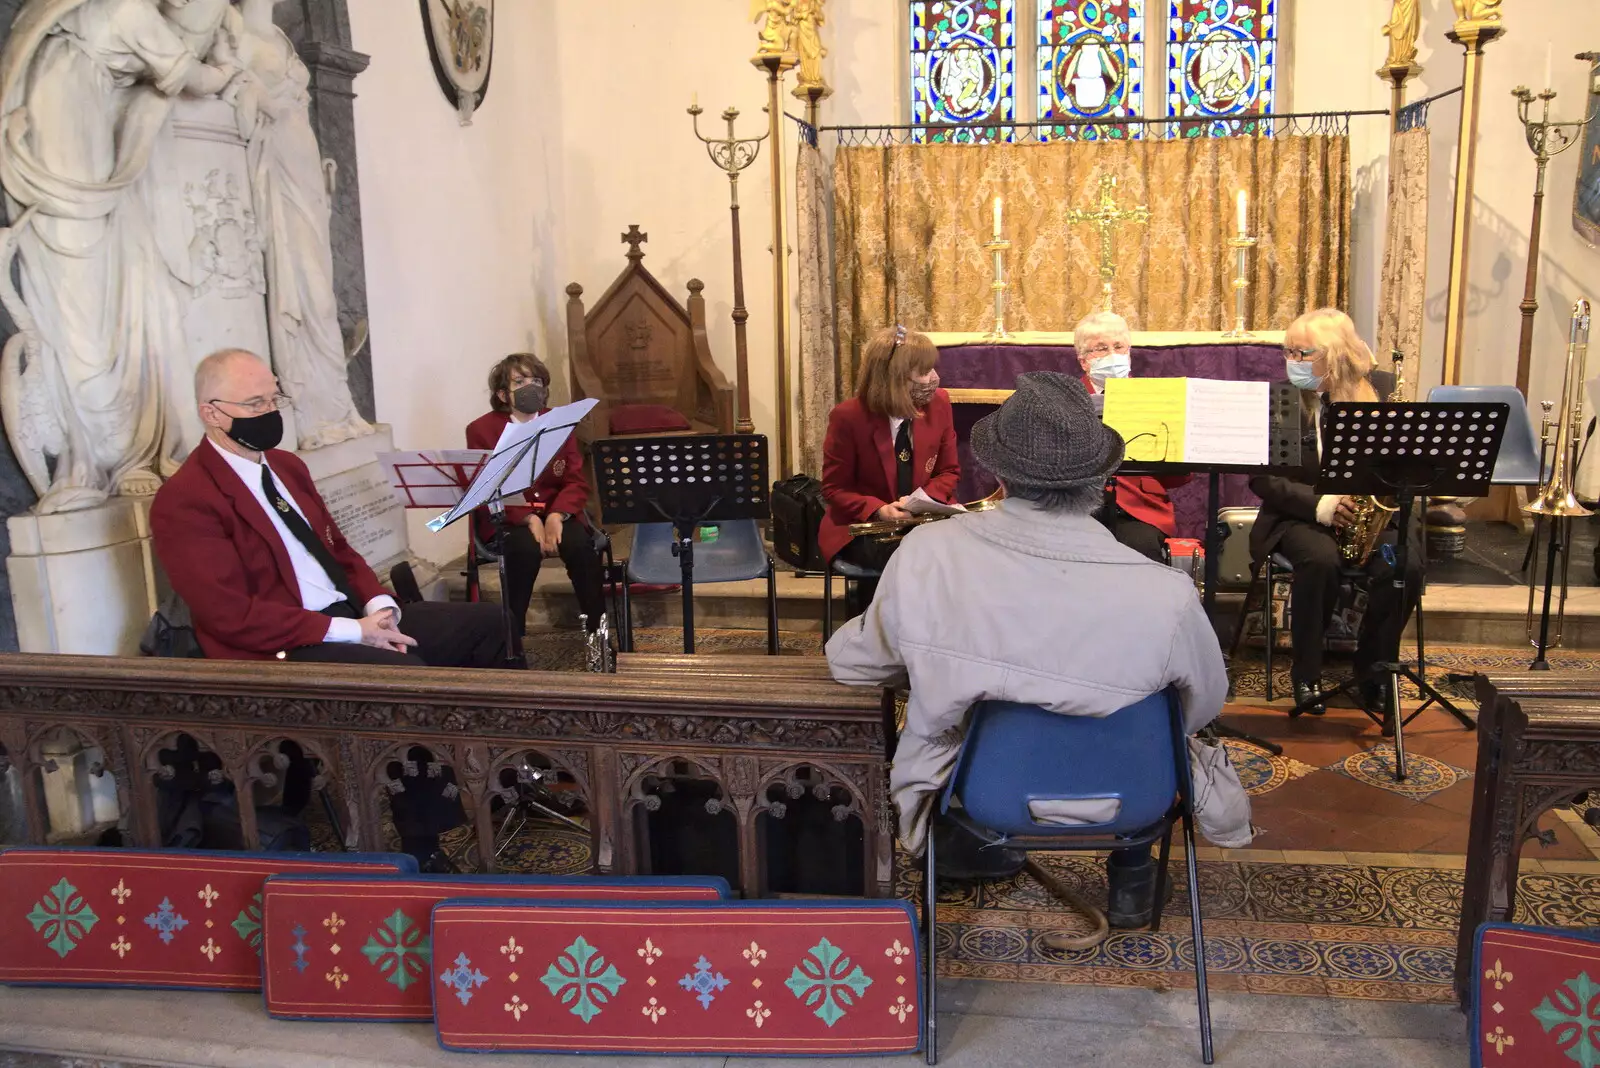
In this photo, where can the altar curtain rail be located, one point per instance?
(1298, 123)
(1414, 116)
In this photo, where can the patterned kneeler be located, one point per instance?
(820, 978)
(357, 947)
(138, 918)
(1536, 997)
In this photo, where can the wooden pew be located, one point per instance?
(747, 726)
(1538, 747)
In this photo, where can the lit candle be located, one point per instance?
(1244, 224)
(997, 218)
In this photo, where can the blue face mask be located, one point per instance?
(1302, 374)
(1113, 365)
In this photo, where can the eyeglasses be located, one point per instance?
(1104, 349)
(1299, 354)
(260, 405)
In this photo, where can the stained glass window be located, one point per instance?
(1221, 64)
(1091, 65)
(963, 68)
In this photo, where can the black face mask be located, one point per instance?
(530, 399)
(258, 433)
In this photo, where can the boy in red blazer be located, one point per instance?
(895, 436)
(552, 522)
(1138, 512)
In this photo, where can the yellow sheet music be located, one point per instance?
(1150, 414)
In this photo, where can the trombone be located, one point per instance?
(1557, 503)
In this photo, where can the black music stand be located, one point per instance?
(1408, 451)
(686, 480)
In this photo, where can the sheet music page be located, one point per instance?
(922, 504)
(1151, 416)
(512, 469)
(430, 478)
(1229, 422)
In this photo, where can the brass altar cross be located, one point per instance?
(1107, 216)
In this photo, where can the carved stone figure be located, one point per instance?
(1405, 23)
(85, 88)
(292, 210)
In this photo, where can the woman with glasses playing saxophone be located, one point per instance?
(1328, 361)
(895, 436)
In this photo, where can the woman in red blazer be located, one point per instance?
(896, 436)
(552, 522)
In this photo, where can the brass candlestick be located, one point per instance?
(1241, 246)
(733, 155)
(998, 246)
(1547, 139)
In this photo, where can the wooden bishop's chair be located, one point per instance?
(645, 357)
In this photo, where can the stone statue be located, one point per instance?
(85, 89)
(1477, 10)
(777, 31)
(1405, 23)
(807, 39)
(292, 210)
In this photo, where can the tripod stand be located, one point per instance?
(1407, 451)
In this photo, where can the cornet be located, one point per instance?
(1557, 503)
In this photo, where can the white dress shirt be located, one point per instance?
(317, 590)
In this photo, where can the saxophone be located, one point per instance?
(1372, 514)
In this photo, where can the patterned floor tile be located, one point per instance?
(1425, 776)
(1259, 771)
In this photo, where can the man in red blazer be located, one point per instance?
(248, 543)
(861, 467)
(552, 522)
(1138, 512)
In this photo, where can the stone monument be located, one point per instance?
(166, 197)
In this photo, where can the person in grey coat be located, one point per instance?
(1036, 602)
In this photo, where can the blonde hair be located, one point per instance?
(890, 360)
(1102, 326)
(1332, 334)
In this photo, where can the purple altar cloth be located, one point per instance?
(997, 367)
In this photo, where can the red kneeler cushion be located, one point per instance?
(820, 978)
(357, 947)
(146, 918)
(646, 419)
(1536, 997)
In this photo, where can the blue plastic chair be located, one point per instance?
(850, 573)
(1518, 462)
(736, 555)
(1014, 754)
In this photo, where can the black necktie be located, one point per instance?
(902, 459)
(308, 537)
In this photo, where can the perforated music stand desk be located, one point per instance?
(686, 481)
(1405, 451)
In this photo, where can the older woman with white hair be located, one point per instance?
(1137, 510)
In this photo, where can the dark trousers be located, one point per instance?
(524, 558)
(447, 634)
(1136, 534)
(1314, 552)
(873, 554)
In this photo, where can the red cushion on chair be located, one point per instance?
(646, 419)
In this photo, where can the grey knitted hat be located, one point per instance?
(1047, 435)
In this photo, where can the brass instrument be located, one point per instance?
(1372, 514)
(895, 529)
(1557, 502)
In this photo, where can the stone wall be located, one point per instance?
(320, 30)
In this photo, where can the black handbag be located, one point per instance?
(170, 631)
(797, 510)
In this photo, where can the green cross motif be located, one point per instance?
(63, 917)
(1571, 1016)
(819, 982)
(580, 977)
(248, 924)
(399, 950)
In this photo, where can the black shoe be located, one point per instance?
(1304, 692)
(1374, 697)
(962, 857)
(1131, 893)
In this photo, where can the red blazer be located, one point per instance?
(225, 559)
(562, 487)
(858, 466)
(1145, 497)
